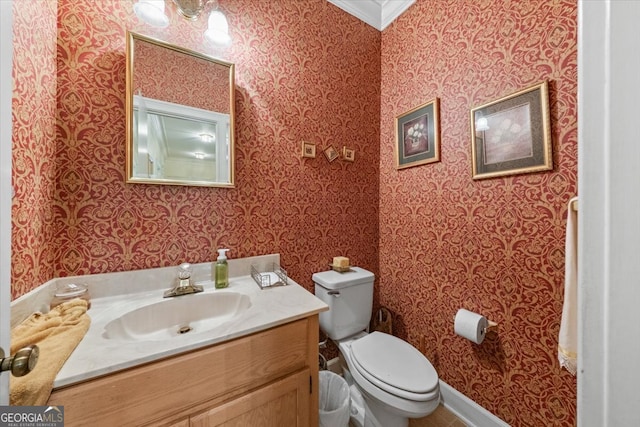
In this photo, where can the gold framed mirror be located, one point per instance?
(180, 115)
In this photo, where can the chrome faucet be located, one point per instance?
(184, 286)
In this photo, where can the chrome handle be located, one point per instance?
(22, 362)
(335, 294)
(184, 271)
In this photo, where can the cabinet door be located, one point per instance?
(283, 403)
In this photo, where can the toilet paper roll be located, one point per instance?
(470, 325)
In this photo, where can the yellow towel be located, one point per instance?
(568, 337)
(57, 334)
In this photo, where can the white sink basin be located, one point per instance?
(178, 316)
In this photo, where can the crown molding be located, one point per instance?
(377, 13)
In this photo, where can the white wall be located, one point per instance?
(609, 212)
(6, 54)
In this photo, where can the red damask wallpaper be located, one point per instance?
(34, 148)
(493, 246)
(297, 79)
(305, 70)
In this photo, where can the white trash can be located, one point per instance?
(334, 400)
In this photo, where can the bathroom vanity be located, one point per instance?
(255, 364)
(265, 379)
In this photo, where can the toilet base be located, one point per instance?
(363, 415)
(377, 414)
(357, 407)
(367, 411)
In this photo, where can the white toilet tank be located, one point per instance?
(349, 296)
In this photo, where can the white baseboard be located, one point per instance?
(469, 412)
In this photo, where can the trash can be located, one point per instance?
(334, 400)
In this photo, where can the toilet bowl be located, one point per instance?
(390, 379)
(396, 381)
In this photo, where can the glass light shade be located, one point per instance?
(151, 12)
(218, 29)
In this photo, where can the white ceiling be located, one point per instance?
(377, 13)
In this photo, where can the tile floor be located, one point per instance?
(441, 417)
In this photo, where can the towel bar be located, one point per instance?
(574, 205)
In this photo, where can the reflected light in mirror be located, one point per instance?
(482, 124)
(207, 138)
(151, 12)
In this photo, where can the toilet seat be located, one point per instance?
(395, 366)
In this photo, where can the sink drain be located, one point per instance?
(184, 329)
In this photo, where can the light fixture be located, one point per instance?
(207, 138)
(218, 29)
(152, 12)
(199, 156)
(191, 9)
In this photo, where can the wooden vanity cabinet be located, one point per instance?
(267, 379)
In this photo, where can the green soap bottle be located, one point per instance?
(222, 269)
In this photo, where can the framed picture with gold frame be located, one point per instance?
(308, 150)
(331, 153)
(512, 134)
(348, 154)
(418, 135)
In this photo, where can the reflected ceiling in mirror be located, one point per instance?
(180, 115)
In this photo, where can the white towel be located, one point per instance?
(568, 337)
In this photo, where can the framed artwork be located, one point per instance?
(418, 135)
(348, 154)
(331, 153)
(308, 149)
(512, 135)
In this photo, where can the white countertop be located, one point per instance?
(112, 296)
(97, 355)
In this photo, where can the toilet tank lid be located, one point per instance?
(334, 280)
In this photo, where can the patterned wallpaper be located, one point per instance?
(445, 241)
(34, 144)
(296, 79)
(493, 246)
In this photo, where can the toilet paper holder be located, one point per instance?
(491, 326)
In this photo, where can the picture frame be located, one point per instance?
(512, 135)
(331, 153)
(418, 135)
(348, 154)
(308, 150)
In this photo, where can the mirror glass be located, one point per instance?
(180, 115)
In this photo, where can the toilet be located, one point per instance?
(390, 380)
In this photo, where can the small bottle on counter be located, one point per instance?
(69, 291)
(221, 269)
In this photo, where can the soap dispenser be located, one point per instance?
(222, 269)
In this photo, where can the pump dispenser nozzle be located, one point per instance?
(222, 254)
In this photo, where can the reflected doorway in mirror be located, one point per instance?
(180, 111)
